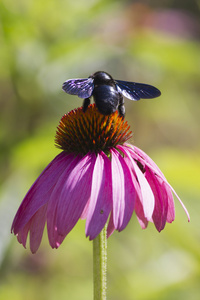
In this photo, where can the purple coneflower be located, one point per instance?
(96, 177)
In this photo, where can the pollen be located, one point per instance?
(81, 132)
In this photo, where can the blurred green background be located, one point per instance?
(43, 43)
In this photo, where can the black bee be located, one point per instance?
(107, 92)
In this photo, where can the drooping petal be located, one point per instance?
(85, 211)
(185, 209)
(54, 237)
(161, 202)
(100, 203)
(37, 227)
(118, 191)
(74, 194)
(39, 193)
(124, 193)
(111, 227)
(157, 171)
(147, 197)
(22, 234)
(171, 206)
(145, 159)
(140, 213)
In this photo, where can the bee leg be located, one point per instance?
(121, 107)
(86, 103)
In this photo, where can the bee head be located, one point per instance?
(101, 77)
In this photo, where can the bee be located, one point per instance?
(108, 92)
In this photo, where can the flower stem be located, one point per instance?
(100, 265)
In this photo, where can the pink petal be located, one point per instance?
(152, 166)
(39, 193)
(54, 237)
(100, 203)
(75, 190)
(124, 193)
(118, 191)
(22, 234)
(37, 228)
(185, 209)
(147, 159)
(171, 207)
(161, 201)
(140, 214)
(85, 211)
(111, 227)
(147, 197)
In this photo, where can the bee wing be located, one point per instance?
(136, 91)
(83, 88)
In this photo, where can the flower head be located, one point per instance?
(96, 177)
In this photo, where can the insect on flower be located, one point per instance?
(107, 92)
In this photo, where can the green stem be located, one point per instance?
(100, 265)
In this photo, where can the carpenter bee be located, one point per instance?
(108, 92)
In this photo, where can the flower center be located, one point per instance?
(81, 132)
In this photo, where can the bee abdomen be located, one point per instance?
(106, 98)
